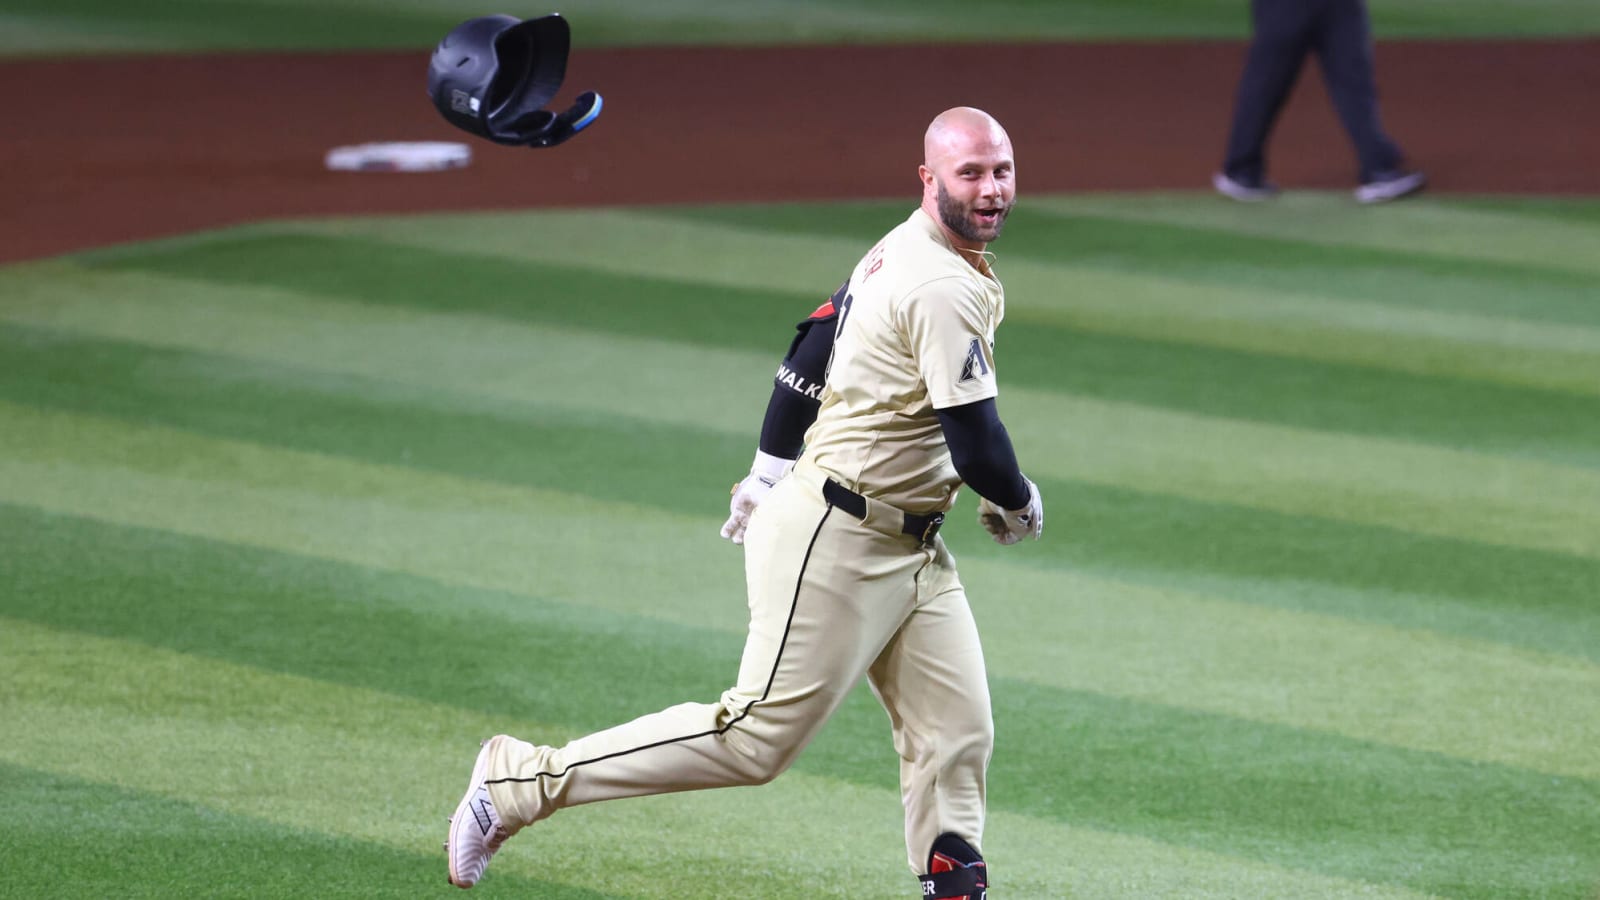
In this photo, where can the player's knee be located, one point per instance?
(972, 747)
(758, 759)
(760, 768)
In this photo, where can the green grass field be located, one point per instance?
(77, 26)
(294, 514)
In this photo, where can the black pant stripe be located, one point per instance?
(772, 677)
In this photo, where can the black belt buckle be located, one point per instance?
(923, 528)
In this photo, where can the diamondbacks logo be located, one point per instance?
(463, 102)
(976, 366)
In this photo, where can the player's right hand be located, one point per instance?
(748, 494)
(1008, 526)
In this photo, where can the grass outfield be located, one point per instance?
(294, 514)
(52, 26)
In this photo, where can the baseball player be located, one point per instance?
(846, 572)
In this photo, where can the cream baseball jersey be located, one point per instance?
(915, 333)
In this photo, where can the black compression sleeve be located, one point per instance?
(981, 450)
(789, 414)
(797, 388)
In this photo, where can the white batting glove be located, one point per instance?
(1008, 526)
(748, 494)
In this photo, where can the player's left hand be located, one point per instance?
(748, 493)
(1008, 526)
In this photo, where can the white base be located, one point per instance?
(401, 156)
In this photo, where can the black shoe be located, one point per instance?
(1391, 185)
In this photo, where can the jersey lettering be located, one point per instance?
(874, 261)
(798, 383)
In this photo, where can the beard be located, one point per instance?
(958, 218)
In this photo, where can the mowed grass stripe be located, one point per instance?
(1426, 490)
(573, 669)
(1585, 211)
(1279, 296)
(1079, 264)
(1268, 295)
(1081, 235)
(1430, 227)
(347, 762)
(1364, 680)
(1532, 599)
(1160, 372)
(1523, 597)
(1430, 490)
(109, 841)
(504, 362)
(1303, 326)
(1363, 812)
(513, 440)
(357, 764)
(1308, 394)
(1171, 371)
(1196, 455)
(478, 533)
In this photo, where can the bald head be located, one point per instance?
(968, 176)
(961, 131)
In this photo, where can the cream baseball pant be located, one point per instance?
(832, 598)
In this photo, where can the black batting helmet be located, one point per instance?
(493, 75)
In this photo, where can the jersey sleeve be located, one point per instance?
(946, 324)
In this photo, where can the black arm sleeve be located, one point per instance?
(783, 431)
(981, 450)
(797, 388)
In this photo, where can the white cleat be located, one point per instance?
(1243, 190)
(1391, 185)
(475, 829)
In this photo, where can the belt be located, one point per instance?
(923, 528)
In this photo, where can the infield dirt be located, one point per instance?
(117, 149)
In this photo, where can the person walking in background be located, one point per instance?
(1339, 33)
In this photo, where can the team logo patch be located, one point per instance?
(976, 366)
(463, 102)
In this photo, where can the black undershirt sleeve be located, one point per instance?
(797, 388)
(980, 449)
(783, 431)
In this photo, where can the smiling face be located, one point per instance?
(968, 176)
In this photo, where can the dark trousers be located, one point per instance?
(1338, 32)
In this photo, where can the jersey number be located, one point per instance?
(844, 313)
(843, 308)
